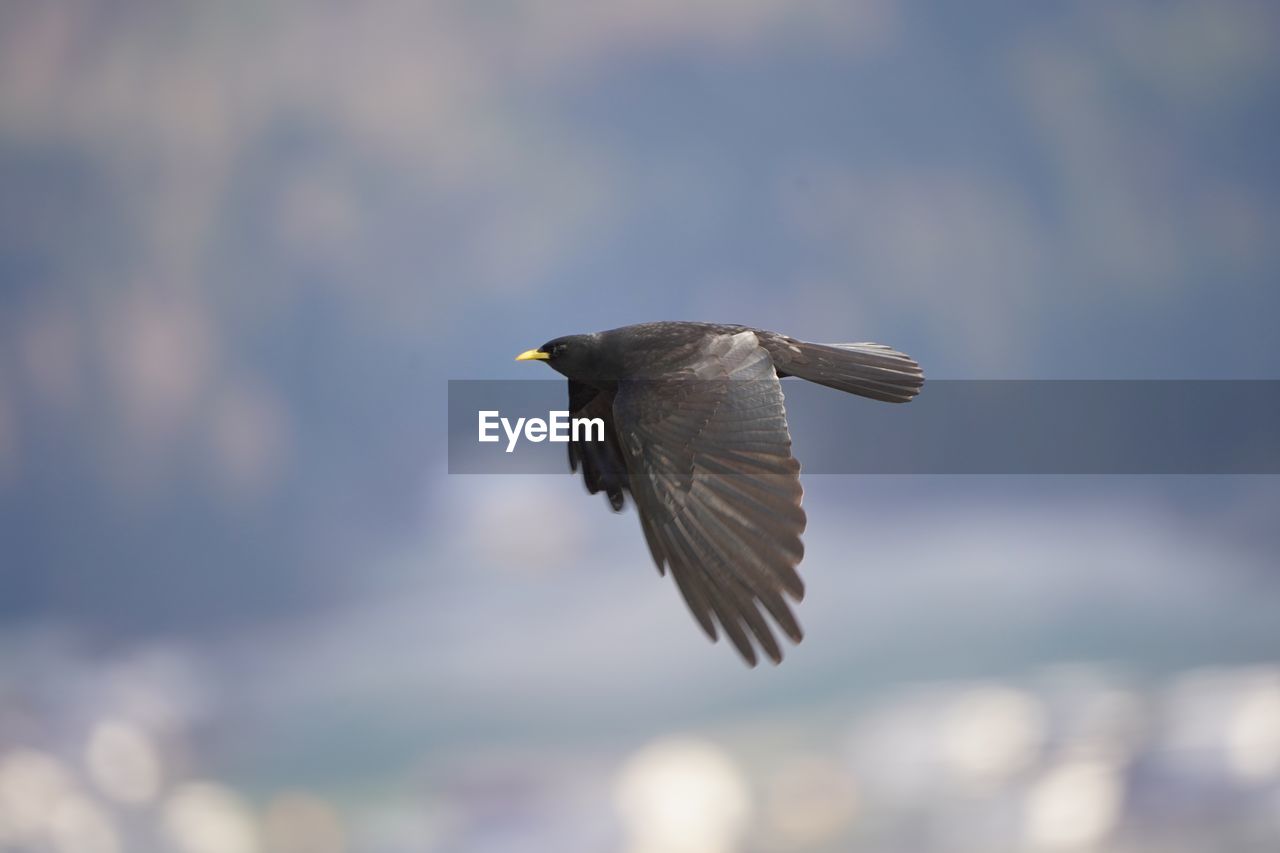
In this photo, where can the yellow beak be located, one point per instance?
(532, 355)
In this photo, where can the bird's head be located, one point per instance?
(575, 356)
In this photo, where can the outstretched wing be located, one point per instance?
(710, 468)
(601, 461)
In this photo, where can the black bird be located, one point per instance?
(696, 431)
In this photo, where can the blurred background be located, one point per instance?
(244, 608)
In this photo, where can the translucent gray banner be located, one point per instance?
(953, 427)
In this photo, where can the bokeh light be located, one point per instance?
(123, 761)
(990, 733)
(78, 825)
(810, 801)
(302, 823)
(205, 817)
(31, 784)
(1253, 733)
(1073, 806)
(682, 795)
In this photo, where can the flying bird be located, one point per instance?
(696, 433)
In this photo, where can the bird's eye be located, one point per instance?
(558, 350)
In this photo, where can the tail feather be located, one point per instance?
(867, 369)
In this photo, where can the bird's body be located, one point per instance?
(696, 433)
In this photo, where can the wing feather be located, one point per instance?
(602, 466)
(708, 459)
